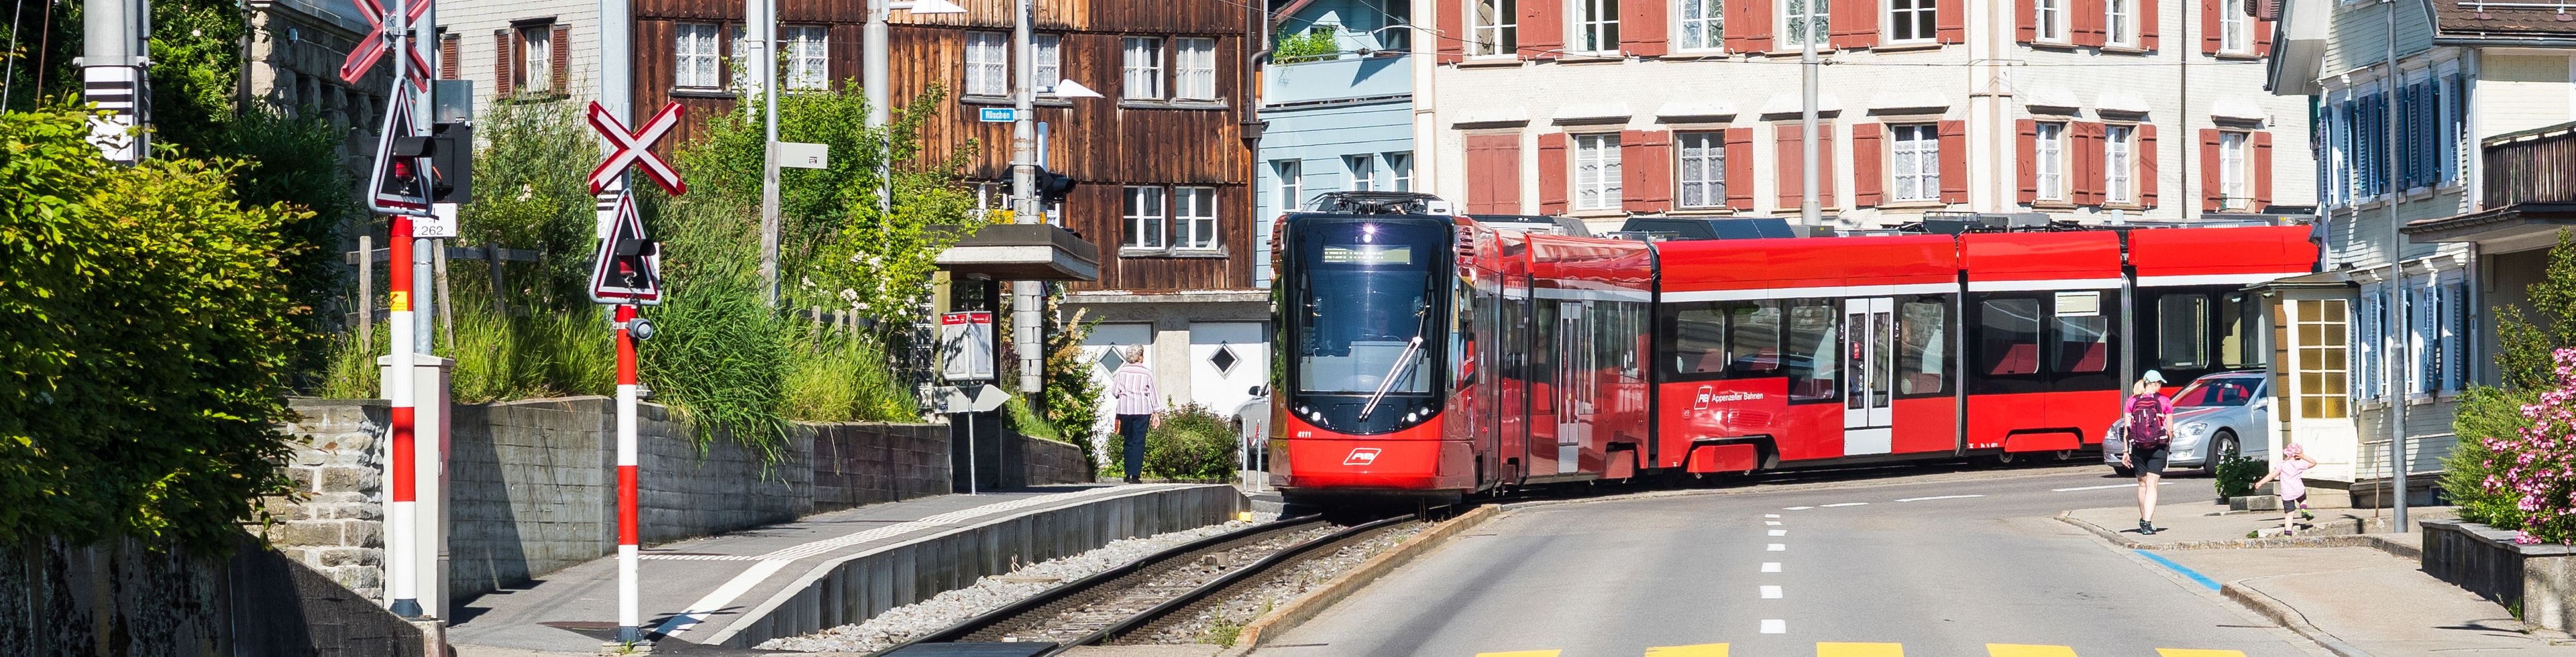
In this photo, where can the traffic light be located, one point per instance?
(403, 178)
(1052, 186)
(451, 158)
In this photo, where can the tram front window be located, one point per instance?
(1364, 308)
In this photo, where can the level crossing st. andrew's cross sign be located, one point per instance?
(627, 269)
(375, 44)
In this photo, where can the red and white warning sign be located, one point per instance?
(628, 268)
(635, 148)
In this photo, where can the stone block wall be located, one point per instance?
(336, 526)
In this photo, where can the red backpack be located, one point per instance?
(2146, 414)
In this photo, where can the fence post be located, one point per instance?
(446, 309)
(500, 301)
(366, 292)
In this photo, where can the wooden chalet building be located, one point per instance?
(1162, 158)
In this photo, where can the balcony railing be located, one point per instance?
(2562, 6)
(1334, 79)
(2537, 165)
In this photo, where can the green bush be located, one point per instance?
(1314, 44)
(2235, 474)
(1072, 395)
(146, 333)
(1191, 444)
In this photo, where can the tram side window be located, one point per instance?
(1810, 353)
(1735, 339)
(2083, 344)
(1699, 340)
(2008, 337)
(2182, 332)
(1923, 335)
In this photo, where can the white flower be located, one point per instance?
(849, 294)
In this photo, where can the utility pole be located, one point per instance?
(2399, 379)
(115, 50)
(874, 77)
(1810, 212)
(763, 20)
(616, 94)
(1024, 193)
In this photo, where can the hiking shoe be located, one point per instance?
(2144, 528)
(2305, 514)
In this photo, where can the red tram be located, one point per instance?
(1429, 356)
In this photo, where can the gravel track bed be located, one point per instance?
(1217, 622)
(992, 592)
(1081, 621)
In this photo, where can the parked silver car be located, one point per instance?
(2216, 414)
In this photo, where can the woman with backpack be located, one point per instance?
(2149, 416)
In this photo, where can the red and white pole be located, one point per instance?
(629, 613)
(402, 579)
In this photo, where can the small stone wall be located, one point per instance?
(337, 528)
(2539, 579)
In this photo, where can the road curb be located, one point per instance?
(2288, 617)
(1305, 607)
(2378, 542)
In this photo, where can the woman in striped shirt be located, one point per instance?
(1133, 385)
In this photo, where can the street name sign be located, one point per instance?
(999, 115)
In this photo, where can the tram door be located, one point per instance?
(1574, 377)
(1869, 350)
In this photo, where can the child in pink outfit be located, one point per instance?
(2294, 491)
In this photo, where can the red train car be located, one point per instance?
(1428, 357)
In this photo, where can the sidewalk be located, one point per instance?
(700, 585)
(2359, 595)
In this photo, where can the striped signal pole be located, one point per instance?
(630, 618)
(402, 532)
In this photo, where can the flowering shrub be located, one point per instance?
(2536, 466)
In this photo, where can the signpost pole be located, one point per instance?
(402, 540)
(629, 608)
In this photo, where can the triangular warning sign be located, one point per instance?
(629, 265)
(400, 184)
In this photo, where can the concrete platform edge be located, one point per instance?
(2282, 613)
(1305, 607)
(798, 609)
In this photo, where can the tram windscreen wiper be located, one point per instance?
(1403, 363)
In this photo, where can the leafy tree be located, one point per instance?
(532, 192)
(145, 334)
(2524, 343)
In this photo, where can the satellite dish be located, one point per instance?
(1072, 89)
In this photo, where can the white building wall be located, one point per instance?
(473, 22)
(1763, 91)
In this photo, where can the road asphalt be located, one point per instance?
(1923, 562)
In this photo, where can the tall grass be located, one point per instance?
(842, 379)
(545, 354)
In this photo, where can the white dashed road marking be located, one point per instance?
(1774, 523)
(1797, 508)
(1779, 532)
(1770, 592)
(1779, 547)
(1775, 626)
(1844, 504)
(1770, 566)
(1938, 497)
(1770, 515)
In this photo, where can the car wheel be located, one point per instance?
(2222, 446)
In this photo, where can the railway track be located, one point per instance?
(1138, 598)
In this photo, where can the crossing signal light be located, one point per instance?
(451, 163)
(403, 177)
(1052, 186)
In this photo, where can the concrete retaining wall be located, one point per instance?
(2539, 579)
(127, 597)
(860, 586)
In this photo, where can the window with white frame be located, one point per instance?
(1363, 173)
(1195, 75)
(2235, 28)
(1493, 27)
(1909, 20)
(2050, 151)
(808, 56)
(2370, 342)
(1194, 218)
(2435, 325)
(2119, 164)
(1141, 58)
(2120, 22)
(1146, 214)
(693, 56)
(2322, 366)
(1050, 60)
(1800, 19)
(1703, 171)
(1596, 172)
(1596, 25)
(988, 64)
(535, 50)
(1699, 24)
(1292, 180)
(2048, 20)
(1399, 172)
(1915, 156)
(2233, 172)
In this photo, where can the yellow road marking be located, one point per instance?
(1523, 653)
(1860, 650)
(1701, 650)
(2171, 652)
(2011, 650)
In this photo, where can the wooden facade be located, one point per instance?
(1107, 144)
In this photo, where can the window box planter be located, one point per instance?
(2540, 580)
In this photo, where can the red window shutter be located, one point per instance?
(448, 48)
(1641, 27)
(1950, 22)
(2210, 194)
(502, 64)
(2086, 17)
(1825, 165)
(1542, 31)
(1646, 170)
(1739, 169)
(2262, 170)
(1552, 183)
(1869, 156)
(1748, 27)
(1954, 161)
(1790, 174)
(2026, 23)
(561, 58)
(2029, 159)
(2148, 171)
(2209, 37)
(1494, 173)
(1448, 17)
(2262, 38)
(1853, 23)
(2088, 177)
(2147, 20)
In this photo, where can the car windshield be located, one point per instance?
(2231, 391)
(1362, 304)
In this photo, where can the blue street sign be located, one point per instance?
(999, 115)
